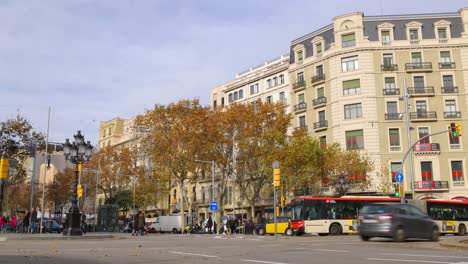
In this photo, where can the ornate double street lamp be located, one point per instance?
(77, 152)
(342, 185)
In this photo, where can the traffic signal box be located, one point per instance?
(4, 163)
(400, 192)
(277, 177)
(459, 128)
(453, 130)
(79, 191)
(283, 201)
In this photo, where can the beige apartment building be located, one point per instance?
(367, 82)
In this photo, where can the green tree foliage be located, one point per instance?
(123, 199)
(59, 192)
(16, 137)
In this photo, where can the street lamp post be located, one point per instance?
(134, 179)
(77, 152)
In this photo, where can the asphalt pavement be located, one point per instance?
(188, 248)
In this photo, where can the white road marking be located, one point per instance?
(193, 254)
(411, 255)
(329, 250)
(262, 261)
(409, 260)
(225, 247)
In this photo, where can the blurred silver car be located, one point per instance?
(397, 221)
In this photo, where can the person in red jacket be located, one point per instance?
(14, 222)
(1, 223)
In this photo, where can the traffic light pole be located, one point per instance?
(406, 155)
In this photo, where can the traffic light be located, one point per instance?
(80, 167)
(398, 190)
(459, 128)
(453, 130)
(283, 201)
(4, 163)
(79, 191)
(277, 177)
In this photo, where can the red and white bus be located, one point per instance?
(450, 215)
(330, 215)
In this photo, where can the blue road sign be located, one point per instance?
(214, 206)
(399, 177)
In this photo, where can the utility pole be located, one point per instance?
(45, 170)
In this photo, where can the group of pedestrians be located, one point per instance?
(27, 224)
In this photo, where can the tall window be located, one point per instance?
(395, 167)
(448, 81)
(390, 85)
(300, 98)
(418, 84)
(254, 88)
(230, 98)
(426, 170)
(414, 34)
(353, 111)
(241, 93)
(302, 122)
(350, 63)
(354, 139)
(275, 81)
(388, 59)
(282, 97)
(269, 99)
(348, 40)
(320, 92)
(352, 87)
(450, 106)
(321, 116)
(281, 79)
(203, 194)
(394, 138)
(319, 70)
(416, 57)
(318, 48)
(424, 131)
(323, 142)
(392, 107)
(445, 57)
(457, 171)
(236, 95)
(269, 83)
(194, 191)
(300, 77)
(300, 55)
(385, 36)
(421, 108)
(442, 33)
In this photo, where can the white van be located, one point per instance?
(168, 223)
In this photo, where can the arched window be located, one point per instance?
(241, 94)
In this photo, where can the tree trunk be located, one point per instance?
(182, 214)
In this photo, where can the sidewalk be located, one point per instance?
(21, 236)
(459, 242)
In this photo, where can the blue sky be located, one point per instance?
(91, 61)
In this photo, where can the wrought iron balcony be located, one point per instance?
(299, 85)
(421, 91)
(319, 101)
(426, 147)
(418, 66)
(432, 185)
(393, 116)
(391, 91)
(447, 65)
(453, 114)
(318, 78)
(389, 67)
(452, 89)
(423, 116)
(300, 127)
(300, 107)
(322, 124)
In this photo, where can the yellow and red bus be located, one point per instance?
(450, 215)
(330, 215)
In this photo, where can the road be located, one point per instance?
(168, 248)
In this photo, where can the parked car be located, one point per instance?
(282, 227)
(396, 221)
(51, 226)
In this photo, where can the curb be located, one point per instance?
(456, 243)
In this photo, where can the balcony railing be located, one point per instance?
(389, 67)
(319, 101)
(300, 107)
(421, 91)
(450, 89)
(432, 185)
(423, 115)
(427, 147)
(446, 65)
(414, 41)
(299, 85)
(443, 41)
(318, 78)
(301, 127)
(453, 114)
(321, 124)
(391, 91)
(419, 66)
(393, 116)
